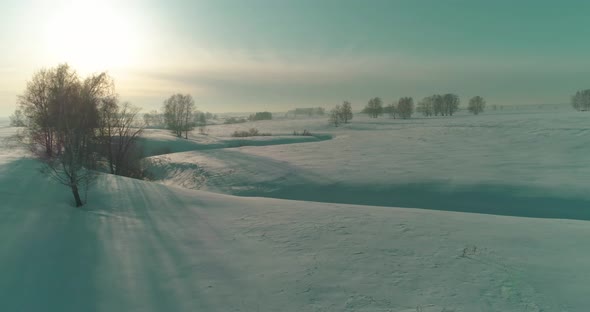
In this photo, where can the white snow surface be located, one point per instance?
(145, 246)
(522, 162)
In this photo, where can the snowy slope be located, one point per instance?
(530, 162)
(141, 246)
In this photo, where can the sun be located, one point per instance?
(93, 36)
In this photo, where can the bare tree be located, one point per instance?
(71, 122)
(476, 105)
(108, 123)
(450, 104)
(336, 116)
(17, 119)
(201, 122)
(437, 104)
(76, 103)
(391, 109)
(178, 114)
(405, 107)
(153, 119)
(346, 112)
(581, 100)
(374, 108)
(425, 106)
(35, 103)
(119, 131)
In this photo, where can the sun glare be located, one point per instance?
(92, 36)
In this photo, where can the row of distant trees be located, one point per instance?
(443, 105)
(434, 105)
(260, 116)
(308, 111)
(155, 119)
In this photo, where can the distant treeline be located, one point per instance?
(260, 116)
(434, 105)
(308, 111)
(155, 119)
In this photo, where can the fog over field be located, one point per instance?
(294, 155)
(525, 161)
(494, 218)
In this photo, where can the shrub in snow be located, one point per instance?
(469, 251)
(250, 133)
(304, 133)
(203, 130)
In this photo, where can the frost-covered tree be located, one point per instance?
(73, 106)
(108, 120)
(178, 114)
(437, 104)
(374, 108)
(261, 116)
(391, 110)
(17, 119)
(72, 122)
(450, 104)
(153, 119)
(201, 122)
(425, 106)
(405, 107)
(335, 116)
(202, 119)
(346, 112)
(581, 100)
(38, 105)
(119, 130)
(476, 105)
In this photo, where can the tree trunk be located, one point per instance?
(77, 196)
(111, 160)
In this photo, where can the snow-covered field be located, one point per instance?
(523, 162)
(166, 246)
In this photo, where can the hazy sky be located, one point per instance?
(248, 55)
